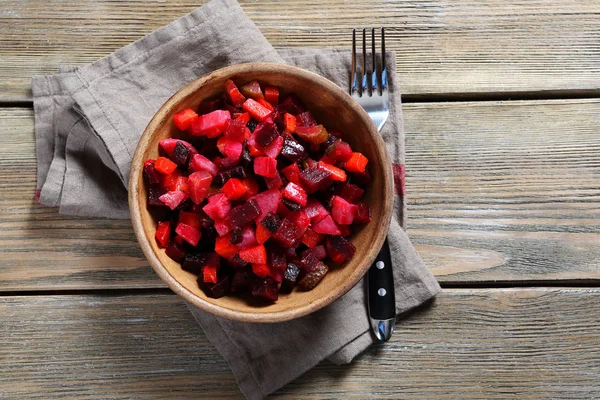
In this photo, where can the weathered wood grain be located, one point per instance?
(505, 191)
(443, 47)
(497, 192)
(469, 344)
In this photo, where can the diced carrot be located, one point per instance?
(356, 163)
(184, 119)
(272, 94)
(290, 122)
(209, 274)
(337, 174)
(164, 165)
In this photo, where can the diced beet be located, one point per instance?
(288, 233)
(200, 163)
(243, 279)
(236, 262)
(218, 206)
(312, 278)
(235, 130)
(151, 175)
(351, 193)
(207, 106)
(234, 189)
(363, 214)
(276, 182)
(225, 163)
(362, 178)
(238, 172)
(252, 90)
(295, 193)
(292, 150)
(315, 210)
(175, 250)
(308, 261)
(318, 252)
(301, 220)
(339, 150)
(327, 226)
(232, 150)
(173, 198)
(216, 290)
(180, 154)
(199, 182)
(306, 119)
(188, 233)
(248, 238)
(193, 262)
(312, 238)
(290, 252)
(243, 214)
(276, 274)
(222, 226)
(265, 166)
(276, 258)
(290, 276)
(271, 221)
(265, 133)
(211, 124)
(154, 194)
(292, 105)
(267, 201)
(273, 149)
(314, 179)
(168, 145)
(292, 173)
(343, 212)
(342, 246)
(266, 289)
(309, 163)
(236, 236)
(345, 229)
(291, 205)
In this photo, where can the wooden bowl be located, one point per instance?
(331, 106)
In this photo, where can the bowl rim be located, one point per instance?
(244, 316)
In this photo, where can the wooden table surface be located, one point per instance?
(502, 114)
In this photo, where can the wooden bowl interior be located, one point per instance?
(332, 108)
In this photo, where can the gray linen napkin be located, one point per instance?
(88, 121)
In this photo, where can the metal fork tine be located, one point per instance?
(383, 65)
(374, 64)
(364, 88)
(353, 72)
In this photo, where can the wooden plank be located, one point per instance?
(443, 47)
(505, 191)
(480, 344)
(497, 192)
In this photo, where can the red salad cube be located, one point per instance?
(222, 226)
(265, 166)
(312, 238)
(343, 212)
(327, 226)
(234, 189)
(229, 148)
(301, 220)
(248, 238)
(184, 119)
(164, 165)
(262, 234)
(210, 125)
(199, 183)
(163, 233)
(251, 188)
(218, 206)
(235, 130)
(236, 98)
(267, 201)
(260, 270)
(244, 118)
(314, 179)
(337, 174)
(288, 233)
(356, 163)
(292, 150)
(189, 218)
(362, 178)
(272, 94)
(351, 193)
(265, 133)
(252, 90)
(290, 122)
(254, 255)
(295, 193)
(168, 146)
(266, 104)
(363, 214)
(342, 246)
(224, 248)
(266, 289)
(274, 148)
(292, 105)
(292, 173)
(256, 110)
(312, 134)
(175, 249)
(151, 175)
(188, 233)
(306, 119)
(173, 198)
(209, 274)
(315, 210)
(244, 214)
(339, 151)
(200, 163)
(275, 182)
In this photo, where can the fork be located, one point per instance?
(370, 90)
